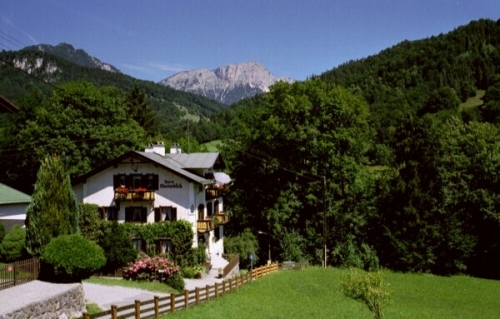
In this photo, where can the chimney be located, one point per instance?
(175, 149)
(158, 148)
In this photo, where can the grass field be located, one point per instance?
(315, 293)
(473, 101)
(213, 146)
(146, 285)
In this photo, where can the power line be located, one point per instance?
(18, 43)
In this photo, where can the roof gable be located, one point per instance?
(172, 164)
(198, 160)
(9, 195)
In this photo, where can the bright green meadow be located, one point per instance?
(315, 293)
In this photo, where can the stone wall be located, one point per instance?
(68, 302)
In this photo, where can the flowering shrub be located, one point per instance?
(150, 268)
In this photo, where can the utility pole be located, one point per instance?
(188, 136)
(324, 221)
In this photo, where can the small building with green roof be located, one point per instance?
(13, 204)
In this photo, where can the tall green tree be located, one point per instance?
(300, 134)
(141, 110)
(439, 208)
(53, 210)
(85, 125)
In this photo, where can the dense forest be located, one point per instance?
(384, 161)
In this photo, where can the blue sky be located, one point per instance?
(155, 39)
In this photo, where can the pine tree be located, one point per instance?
(53, 210)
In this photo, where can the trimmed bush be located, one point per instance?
(176, 281)
(12, 247)
(71, 258)
(117, 247)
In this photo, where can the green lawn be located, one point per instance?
(214, 146)
(146, 285)
(315, 293)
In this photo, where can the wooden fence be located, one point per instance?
(163, 305)
(19, 272)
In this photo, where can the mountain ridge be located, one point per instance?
(226, 84)
(78, 56)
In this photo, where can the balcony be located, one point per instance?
(137, 195)
(222, 218)
(213, 192)
(204, 225)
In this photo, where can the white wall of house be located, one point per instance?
(13, 211)
(174, 190)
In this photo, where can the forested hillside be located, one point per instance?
(172, 107)
(378, 159)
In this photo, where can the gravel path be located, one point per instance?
(105, 296)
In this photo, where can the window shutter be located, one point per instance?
(174, 213)
(102, 212)
(157, 215)
(116, 181)
(128, 214)
(129, 182)
(144, 214)
(156, 184)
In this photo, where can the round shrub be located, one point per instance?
(12, 246)
(176, 281)
(71, 258)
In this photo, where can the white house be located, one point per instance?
(152, 186)
(13, 204)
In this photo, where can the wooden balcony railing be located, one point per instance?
(147, 195)
(204, 225)
(222, 218)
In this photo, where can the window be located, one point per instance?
(164, 246)
(148, 181)
(137, 181)
(201, 211)
(169, 213)
(216, 206)
(136, 214)
(139, 244)
(210, 208)
(166, 213)
(108, 212)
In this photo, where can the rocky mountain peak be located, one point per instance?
(78, 56)
(226, 84)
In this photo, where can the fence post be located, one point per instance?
(172, 303)
(113, 311)
(230, 285)
(14, 268)
(197, 292)
(157, 310)
(224, 287)
(207, 293)
(186, 298)
(137, 309)
(216, 290)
